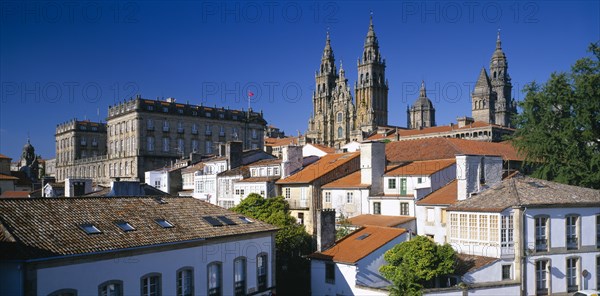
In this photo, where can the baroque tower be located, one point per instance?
(371, 89)
(483, 99)
(343, 111)
(421, 114)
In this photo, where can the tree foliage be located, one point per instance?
(291, 237)
(559, 127)
(415, 263)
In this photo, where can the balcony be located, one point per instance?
(297, 204)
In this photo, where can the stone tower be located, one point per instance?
(483, 99)
(421, 114)
(319, 125)
(343, 111)
(371, 89)
(500, 80)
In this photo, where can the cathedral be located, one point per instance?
(338, 119)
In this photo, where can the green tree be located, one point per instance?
(291, 241)
(414, 264)
(344, 229)
(558, 129)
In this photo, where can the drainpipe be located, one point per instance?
(523, 255)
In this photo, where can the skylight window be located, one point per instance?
(212, 221)
(125, 226)
(245, 220)
(90, 228)
(363, 236)
(226, 220)
(164, 223)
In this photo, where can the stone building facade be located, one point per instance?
(421, 114)
(142, 135)
(336, 119)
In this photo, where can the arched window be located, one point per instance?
(239, 276)
(151, 284)
(261, 271)
(185, 281)
(110, 288)
(64, 292)
(215, 278)
(339, 117)
(340, 132)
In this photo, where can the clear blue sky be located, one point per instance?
(64, 60)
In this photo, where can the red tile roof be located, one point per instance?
(379, 220)
(7, 177)
(324, 165)
(350, 181)
(2, 156)
(350, 249)
(425, 167)
(468, 263)
(433, 130)
(15, 194)
(323, 148)
(443, 148)
(281, 141)
(446, 195)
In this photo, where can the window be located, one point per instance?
(64, 292)
(164, 223)
(194, 145)
(180, 146)
(598, 233)
(329, 272)
(430, 215)
(150, 285)
(185, 282)
(165, 109)
(349, 197)
(339, 117)
(221, 131)
(165, 126)
(541, 277)
(598, 273)
(404, 209)
(254, 134)
(506, 272)
(208, 147)
(276, 173)
(111, 288)
(340, 132)
(194, 128)
(572, 274)
(288, 193)
(214, 279)
(541, 234)
(208, 114)
(403, 186)
(239, 276)
(419, 180)
(180, 127)
(150, 124)
(376, 208)
(327, 196)
(90, 228)
(125, 226)
(165, 145)
(261, 271)
(506, 231)
(572, 232)
(392, 183)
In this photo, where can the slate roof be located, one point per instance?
(421, 168)
(526, 191)
(324, 165)
(49, 227)
(350, 181)
(350, 250)
(445, 148)
(379, 220)
(445, 195)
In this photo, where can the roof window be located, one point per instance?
(90, 228)
(164, 223)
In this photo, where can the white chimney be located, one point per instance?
(475, 173)
(291, 160)
(372, 165)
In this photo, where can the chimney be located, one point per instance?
(325, 229)
(476, 173)
(464, 121)
(234, 154)
(291, 160)
(372, 165)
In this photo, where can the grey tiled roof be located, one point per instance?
(48, 227)
(526, 191)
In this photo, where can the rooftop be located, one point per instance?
(434, 129)
(526, 191)
(350, 181)
(468, 263)
(323, 148)
(49, 227)
(359, 244)
(421, 168)
(446, 148)
(281, 141)
(324, 165)
(7, 177)
(14, 194)
(379, 220)
(446, 195)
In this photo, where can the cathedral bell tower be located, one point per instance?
(371, 88)
(500, 81)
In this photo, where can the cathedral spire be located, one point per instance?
(422, 92)
(498, 42)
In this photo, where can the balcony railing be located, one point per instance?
(297, 204)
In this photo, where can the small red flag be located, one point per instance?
(250, 94)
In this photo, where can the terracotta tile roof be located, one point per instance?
(7, 177)
(350, 181)
(324, 165)
(323, 148)
(527, 191)
(281, 141)
(379, 220)
(15, 194)
(260, 179)
(350, 250)
(2, 156)
(433, 130)
(47, 227)
(469, 263)
(444, 148)
(446, 195)
(425, 167)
